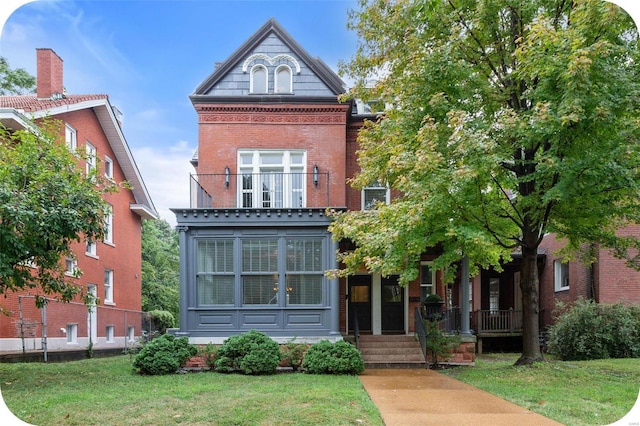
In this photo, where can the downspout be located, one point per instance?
(465, 319)
(24, 349)
(43, 313)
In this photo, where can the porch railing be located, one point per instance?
(273, 190)
(500, 321)
(421, 332)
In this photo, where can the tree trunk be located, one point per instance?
(530, 326)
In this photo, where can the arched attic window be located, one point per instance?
(259, 79)
(283, 80)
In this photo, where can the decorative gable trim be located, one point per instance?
(271, 60)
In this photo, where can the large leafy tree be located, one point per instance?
(160, 267)
(47, 202)
(15, 81)
(508, 120)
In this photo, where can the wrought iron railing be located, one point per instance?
(356, 325)
(421, 332)
(273, 190)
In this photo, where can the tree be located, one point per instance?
(47, 202)
(15, 82)
(160, 267)
(508, 121)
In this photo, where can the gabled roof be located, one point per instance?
(16, 112)
(320, 69)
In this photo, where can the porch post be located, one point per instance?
(184, 273)
(334, 292)
(465, 320)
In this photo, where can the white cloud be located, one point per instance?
(165, 171)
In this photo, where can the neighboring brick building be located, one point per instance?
(112, 267)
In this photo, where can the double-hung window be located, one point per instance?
(91, 159)
(108, 225)
(108, 167)
(108, 286)
(272, 179)
(215, 272)
(71, 137)
(373, 194)
(427, 280)
(561, 275)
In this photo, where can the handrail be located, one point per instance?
(356, 326)
(421, 331)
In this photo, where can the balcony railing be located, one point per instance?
(505, 321)
(273, 190)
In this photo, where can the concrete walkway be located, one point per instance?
(425, 397)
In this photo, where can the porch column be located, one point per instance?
(334, 293)
(183, 280)
(465, 320)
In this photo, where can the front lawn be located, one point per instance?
(575, 393)
(104, 392)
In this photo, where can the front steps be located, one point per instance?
(391, 351)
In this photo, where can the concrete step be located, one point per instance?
(391, 351)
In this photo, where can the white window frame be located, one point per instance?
(252, 79)
(110, 333)
(374, 186)
(92, 157)
(108, 287)
(108, 225)
(560, 279)
(108, 167)
(70, 266)
(131, 333)
(291, 197)
(423, 284)
(276, 79)
(72, 334)
(91, 249)
(494, 295)
(71, 137)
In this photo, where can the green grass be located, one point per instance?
(105, 392)
(575, 393)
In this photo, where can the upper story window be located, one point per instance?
(108, 225)
(427, 280)
(108, 167)
(283, 80)
(561, 275)
(272, 179)
(71, 137)
(108, 286)
(259, 82)
(374, 193)
(91, 158)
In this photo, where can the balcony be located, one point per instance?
(273, 190)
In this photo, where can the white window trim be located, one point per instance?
(72, 334)
(558, 281)
(433, 276)
(362, 195)
(131, 333)
(110, 333)
(255, 168)
(108, 226)
(92, 156)
(108, 296)
(71, 138)
(69, 261)
(108, 167)
(91, 249)
(275, 85)
(266, 78)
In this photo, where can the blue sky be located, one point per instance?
(149, 55)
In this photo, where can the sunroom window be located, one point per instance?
(272, 179)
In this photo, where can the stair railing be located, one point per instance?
(356, 325)
(421, 332)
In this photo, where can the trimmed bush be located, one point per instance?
(162, 320)
(588, 330)
(293, 354)
(333, 358)
(251, 353)
(164, 355)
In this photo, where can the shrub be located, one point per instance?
(164, 355)
(293, 353)
(251, 353)
(337, 358)
(439, 343)
(588, 330)
(210, 354)
(162, 320)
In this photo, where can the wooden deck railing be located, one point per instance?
(506, 321)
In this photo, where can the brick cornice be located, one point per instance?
(280, 113)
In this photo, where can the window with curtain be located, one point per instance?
(215, 272)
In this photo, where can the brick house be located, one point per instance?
(112, 267)
(275, 150)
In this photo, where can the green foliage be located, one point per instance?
(340, 357)
(164, 355)
(210, 354)
(15, 81)
(588, 330)
(501, 115)
(162, 320)
(439, 343)
(160, 267)
(293, 353)
(47, 202)
(251, 353)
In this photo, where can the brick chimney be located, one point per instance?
(49, 78)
